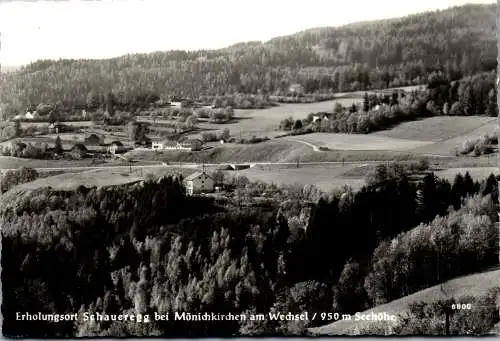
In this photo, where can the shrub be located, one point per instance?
(467, 147)
(286, 124)
(209, 137)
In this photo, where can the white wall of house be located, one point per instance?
(200, 184)
(157, 145)
(178, 146)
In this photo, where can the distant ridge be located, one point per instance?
(459, 41)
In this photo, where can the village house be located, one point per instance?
(319, 118)
(191, 145)
(199, 182)
(54, 128)
(31, 115)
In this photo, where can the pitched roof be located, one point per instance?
(80, 147)
(191, 141)
(195, 175)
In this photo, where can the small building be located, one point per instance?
(176, 104)
(116, 147)
(55, 128)
(78, 151)
(29, 116)
(199, 182)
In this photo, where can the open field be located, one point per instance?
(100, 178)
(325, 177)
(448, 147)
(473, 285)
(336, 141)
(438, 128)
(9, 162)
(269, 151)
(69, 181)
(265, 122)
(46, 124)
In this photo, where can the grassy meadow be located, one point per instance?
(438, 128)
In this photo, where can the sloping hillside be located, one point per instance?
(473, 285)
(404, 51)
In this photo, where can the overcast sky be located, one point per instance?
(34, 30)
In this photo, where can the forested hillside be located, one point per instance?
(460, 41)
(148, 248)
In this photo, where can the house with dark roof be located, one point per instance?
(94, 140)
(199, 182)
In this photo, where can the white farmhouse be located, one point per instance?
(191, 145)
(199, 182)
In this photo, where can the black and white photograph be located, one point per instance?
(253, 168)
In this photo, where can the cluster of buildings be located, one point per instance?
(189, 144)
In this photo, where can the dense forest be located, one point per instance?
(148, 248)
(459, 41)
